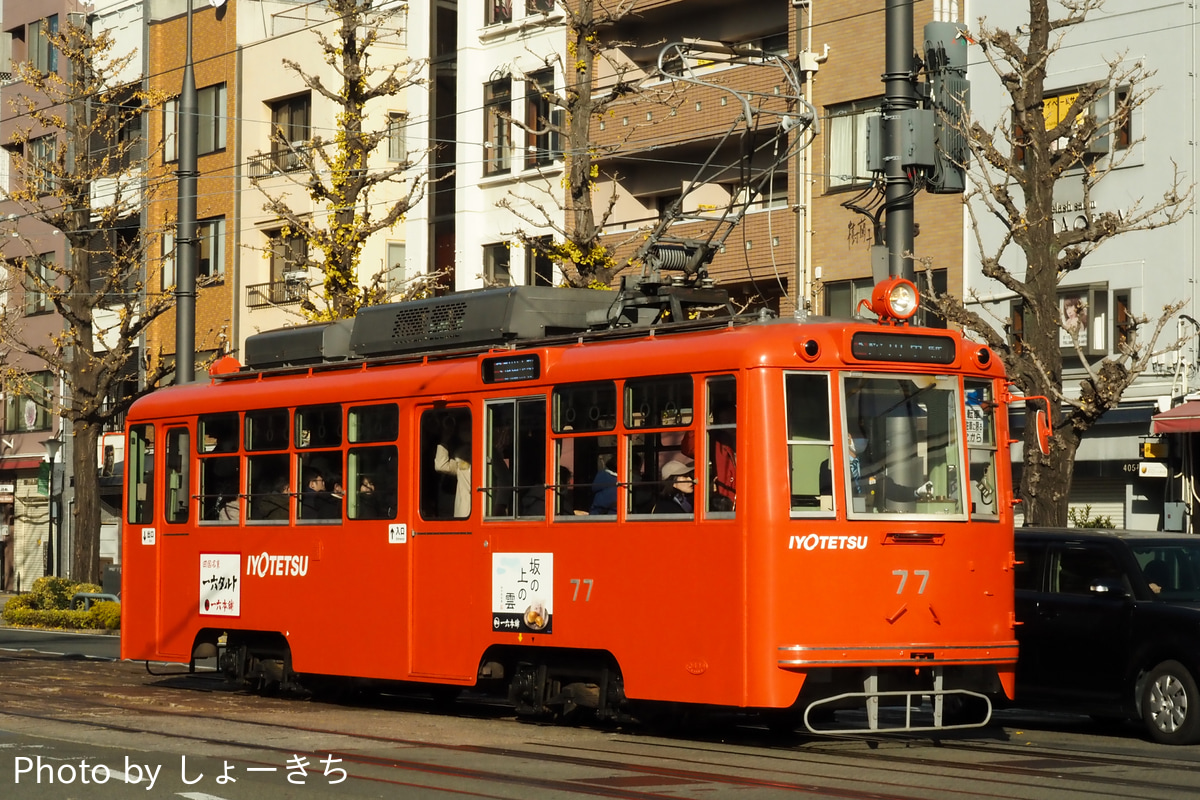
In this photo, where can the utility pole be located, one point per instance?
(185, 237)
(921, 131)
(900, 95)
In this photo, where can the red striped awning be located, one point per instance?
(1180, 419)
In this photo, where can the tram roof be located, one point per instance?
(702, 345)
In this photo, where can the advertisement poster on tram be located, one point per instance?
(523, 592)
(220, 584)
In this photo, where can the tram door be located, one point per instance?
(445, 552)
(177, 561)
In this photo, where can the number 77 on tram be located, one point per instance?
(483, 491)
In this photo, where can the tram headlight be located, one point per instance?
(895, 299)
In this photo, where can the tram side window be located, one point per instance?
(218, 433)
(318, 426)
(721, 486)
(321, 488)
(379, 423)
(372, 473)
(515, 478)
(140, 479)
(584, 416)
(659, 412)
(179, 485)
(981, 448)
(809, 442)
(446, 458)
(220, 475)
(268, 486)
(371, 477)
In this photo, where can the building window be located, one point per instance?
(28, 405)
(168, 259)
(1056, 108)
(210, 123)
(539, 6)
(842, 297)
(846, 157)
(1122, 131)
(498, 11)
(771, 195)
(128, 145)
(539, 146)
(1124, 320)
(290, 131)
(39, 272)
(210, 252)
(289, 274)
(497, 97)
(397, 146)
(41, 160)
(496, 265)
(289, 258)
(539, 269)
(42, 54)
(397, 268)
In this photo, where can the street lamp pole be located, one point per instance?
(52, 446)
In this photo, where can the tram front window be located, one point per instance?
(903, 453)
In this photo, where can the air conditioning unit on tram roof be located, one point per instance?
(474, 318)
(300, 346)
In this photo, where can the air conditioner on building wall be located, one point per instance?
(295, 276)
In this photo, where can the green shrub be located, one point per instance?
(51, 593)
(107, 615)
(52, 618)
(1084, 518)
(22, 602)
(47, 605)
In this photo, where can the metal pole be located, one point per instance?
(185, 237)
(50, 522)
(899, 95)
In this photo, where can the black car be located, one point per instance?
(1109, 625)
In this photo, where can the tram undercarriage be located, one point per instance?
(587, 686)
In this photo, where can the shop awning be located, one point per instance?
(1180, 419)
(18, 462)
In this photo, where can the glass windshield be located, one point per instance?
(903, 449)
(1172, 571)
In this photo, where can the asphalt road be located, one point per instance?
(88, 645)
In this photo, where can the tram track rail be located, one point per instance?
(788, 767)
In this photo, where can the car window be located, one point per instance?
(1172, 572)
(1079, 568)
(1031, 558)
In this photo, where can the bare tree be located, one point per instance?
(568, 208)
(1044, 143)
(606, 76)
(357, 200)
(82, 175)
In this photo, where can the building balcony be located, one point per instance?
(277, 162)
(276, 293)
(686, 113)
(762, 245)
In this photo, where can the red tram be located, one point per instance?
(480, 491)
